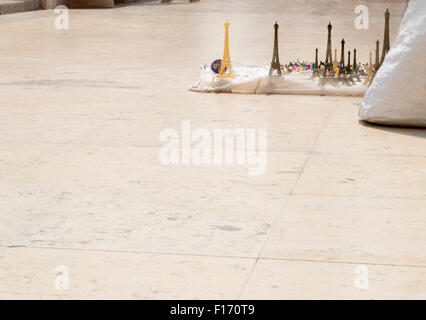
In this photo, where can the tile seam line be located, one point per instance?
(33, 293)
(77, 115)
(159, 147)
(217, 256)
(281, 212)
(298, 195)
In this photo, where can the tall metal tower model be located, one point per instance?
(316, 67)
(386, 42)
(335, 68)
(342, 59)
(354, 65)
(348, 66)
(225, 66)
(370, 74)
(328, 56)
(377, 64)
(275, 64)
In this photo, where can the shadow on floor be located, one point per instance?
(156, 2)
(419, 132)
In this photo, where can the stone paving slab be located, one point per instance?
(81, 183)
(273, 279)
(119, 275)
(365, 230)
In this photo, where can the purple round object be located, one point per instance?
(216, 65)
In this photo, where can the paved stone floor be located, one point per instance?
(81, 184)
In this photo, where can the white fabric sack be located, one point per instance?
(397, 94)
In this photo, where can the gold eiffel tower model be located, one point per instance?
(335, 68)
(225, 66)
(370, 74)
(275, 64)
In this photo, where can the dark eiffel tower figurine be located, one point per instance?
(355, 68)
(377, 64)
(275, 64)
(348, 67)
(328, 57)
(354, 65)
(316, 67)
(386, 43)
(342, 59)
